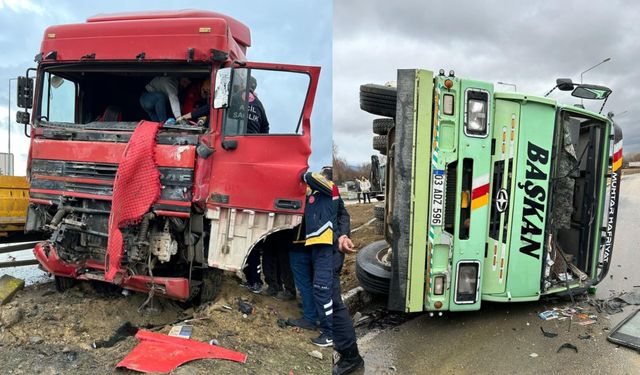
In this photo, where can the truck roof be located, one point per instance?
(160, 35)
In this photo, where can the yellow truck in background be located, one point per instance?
(14, 199)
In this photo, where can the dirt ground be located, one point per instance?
(55, 333)
(56, 330)
(360, 215)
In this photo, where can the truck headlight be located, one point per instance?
(476, 113)
(438, 285)
(467, 283)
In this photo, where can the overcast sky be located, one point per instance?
(529, 44)
(285, 31)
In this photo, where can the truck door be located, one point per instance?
(263, 142)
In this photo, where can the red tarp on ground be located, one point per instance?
(135, 189)
(161, 353)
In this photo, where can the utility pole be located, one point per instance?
(593, 67)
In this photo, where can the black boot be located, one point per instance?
(350, 361)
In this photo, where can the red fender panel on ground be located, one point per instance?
(160, 353)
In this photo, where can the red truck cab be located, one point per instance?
(223, 189)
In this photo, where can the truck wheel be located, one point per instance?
(211, 283)
(381, 126)
(378, 100)
(378, 212)
(64, 283)
(373, 267)
(380, 144)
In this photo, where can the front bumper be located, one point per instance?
(170, 287)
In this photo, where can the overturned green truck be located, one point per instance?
(490, 196)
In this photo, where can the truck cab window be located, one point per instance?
(58, 99)
(265, 102)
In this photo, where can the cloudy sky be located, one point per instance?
(286, 31)
(529, 44)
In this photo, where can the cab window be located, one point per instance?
(266, 102)
(58, 99)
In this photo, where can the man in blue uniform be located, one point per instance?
(320, 219)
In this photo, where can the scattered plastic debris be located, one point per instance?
(614, 304)
(548, 315)
(548, 334)
(533, 355)
(567, 346)
(183, 331)
(245, 307)
(316, 354)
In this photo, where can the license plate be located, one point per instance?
(437, 197)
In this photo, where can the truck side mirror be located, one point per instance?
(564, 84)
(22, 117)
(25, 92)
(222, 89)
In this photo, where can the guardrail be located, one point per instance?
(18, 247)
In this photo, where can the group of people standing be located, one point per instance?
(363, 187)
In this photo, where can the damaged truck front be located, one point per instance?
(490, 196)
(221, 188)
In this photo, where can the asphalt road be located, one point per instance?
(506, 338)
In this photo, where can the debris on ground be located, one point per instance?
(548, 334)
(382, 318)
(567, 346)
(614, 304)
(9, 286)
(70, 322)
(359, 319)
(316, 354)
(245, 307)
(533, 355)
(548, 315)
(587, 322)
(158, 353)
(182, 331)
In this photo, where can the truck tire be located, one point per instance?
(380, 144)
(381, 126)
(378, 211)
(211, 283)
(379, 227)
(373, 274)
(64, 283)
(378, 100)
